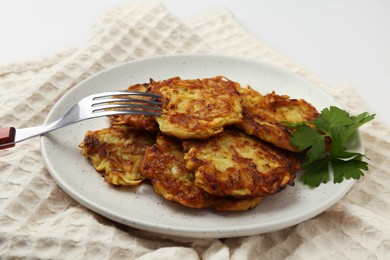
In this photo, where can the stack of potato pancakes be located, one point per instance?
(216, 145)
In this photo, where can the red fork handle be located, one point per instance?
(7, 135)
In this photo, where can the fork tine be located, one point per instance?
(124, 106)
(99, 101)
(122, 102)
(126, 93)
(124, 112)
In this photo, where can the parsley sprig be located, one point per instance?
(326, 140)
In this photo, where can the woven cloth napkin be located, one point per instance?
(40, 221)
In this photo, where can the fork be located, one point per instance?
(93, 106)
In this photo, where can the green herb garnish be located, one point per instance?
(326, 139)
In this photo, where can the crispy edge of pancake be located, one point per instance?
(117, 153)
(138, 122)
(164, 166)
(236, 164)
(264, 116)
(198, 108)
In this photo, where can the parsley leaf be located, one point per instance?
(339, 128)
(317, 173)
(332, 119)
(348, 169)
(338, 151)
(306, 137)
(357, 121)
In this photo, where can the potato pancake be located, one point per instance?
(117, 152)
(238, 165)
(139, 122)
(263, 116)
(197, 108)
(216, 145)
(164, 165)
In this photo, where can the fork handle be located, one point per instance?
(7, 135)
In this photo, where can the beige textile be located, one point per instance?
(39, 221)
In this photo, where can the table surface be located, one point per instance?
(342, 42)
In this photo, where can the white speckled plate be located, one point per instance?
(141, 207)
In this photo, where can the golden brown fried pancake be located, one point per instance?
(164, 165)
(236, 164)
(224, 169)
(117, 152)
(264, 116)
(197, 108)
(139, 122)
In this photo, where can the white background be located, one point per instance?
(344, 42)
